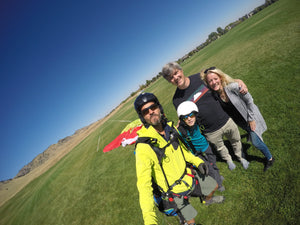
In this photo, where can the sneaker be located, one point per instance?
(231, 165)
(215, 199)
(222, 178)
(221, 188)
(269, 164)
(245, 163)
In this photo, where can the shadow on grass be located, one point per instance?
(245, 148)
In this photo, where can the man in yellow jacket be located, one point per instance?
(170, 173)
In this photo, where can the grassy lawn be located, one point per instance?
(90, 187)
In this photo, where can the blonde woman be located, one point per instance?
(240, 107)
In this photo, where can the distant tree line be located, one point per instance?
(211, 37)
(220, 31)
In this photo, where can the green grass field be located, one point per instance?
(88, 187)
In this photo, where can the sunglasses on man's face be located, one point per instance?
(191, 115)
(153, 107)
(210, 68)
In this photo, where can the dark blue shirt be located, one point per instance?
(211, 115)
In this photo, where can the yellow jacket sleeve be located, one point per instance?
(144, 165)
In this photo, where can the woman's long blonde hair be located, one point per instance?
(225, 79)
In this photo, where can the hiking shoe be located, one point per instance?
(245, 163)
(221, 188)
(215, 199)
(269, 164)
(231, 165)
(222, 178)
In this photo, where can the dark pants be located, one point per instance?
(210, 159)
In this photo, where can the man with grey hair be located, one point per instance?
(214, 121)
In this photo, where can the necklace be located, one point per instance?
(224, 97)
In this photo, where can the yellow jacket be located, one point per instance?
(147, 166)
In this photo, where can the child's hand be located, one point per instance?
(203, 169)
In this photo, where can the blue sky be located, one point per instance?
(66, 64)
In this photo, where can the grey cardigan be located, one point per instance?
(246, 107)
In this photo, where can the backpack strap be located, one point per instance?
(187, 139)
(160, 152)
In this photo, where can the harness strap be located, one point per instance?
(189, 145)
(160, 153)
(181, 180)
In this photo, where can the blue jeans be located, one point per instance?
(259, 144)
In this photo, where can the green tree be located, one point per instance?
(213, 36)
(220, 31)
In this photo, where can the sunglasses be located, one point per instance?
(191, 115)
(210, 68)
(153, 107)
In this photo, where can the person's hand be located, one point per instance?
(242, 86)
(252, 125)
(203, 169)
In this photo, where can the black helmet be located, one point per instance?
(141, 100)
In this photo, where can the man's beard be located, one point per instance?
(155, 119)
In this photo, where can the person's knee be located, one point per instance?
(220, 146)
(235, 138)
